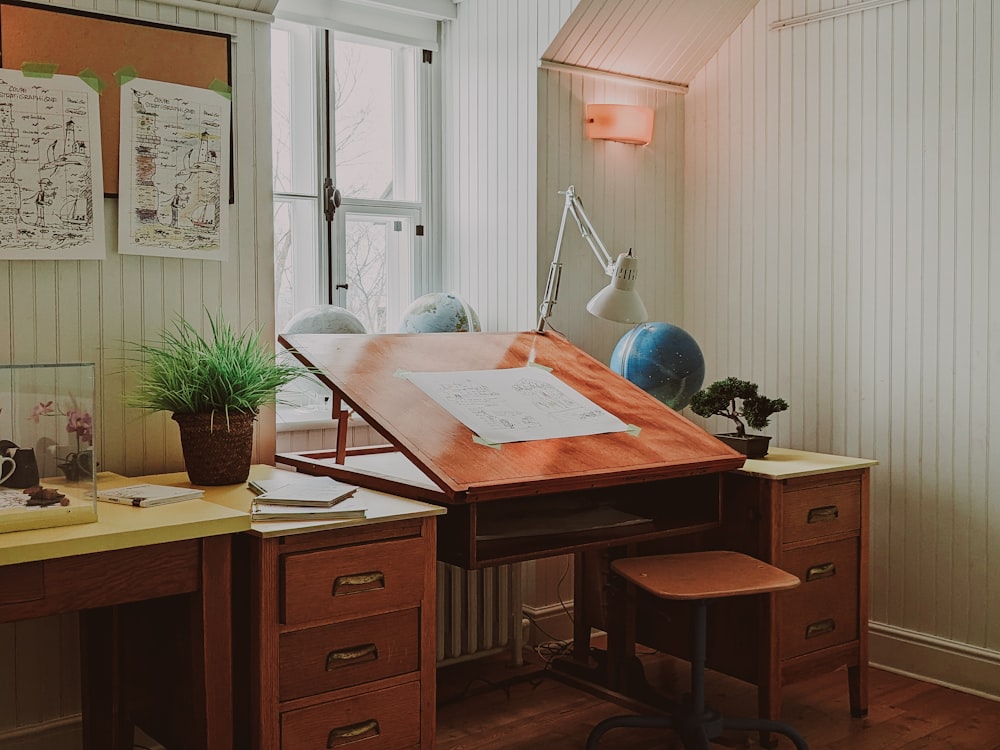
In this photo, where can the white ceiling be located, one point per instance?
(660, 40)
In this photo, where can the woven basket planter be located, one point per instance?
(216, 450)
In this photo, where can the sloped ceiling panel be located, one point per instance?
(660, 40)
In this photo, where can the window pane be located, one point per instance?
(293, 90)
(378, 269)
(375, 114)
(297, 268)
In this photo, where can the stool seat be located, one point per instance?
(699, 577)
(703, 575)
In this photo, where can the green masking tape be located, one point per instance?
(126, 74)
(39, 70)
(402, 374)
(487, 443)
(221, 88)
(93, 80)
(633, 430)
(540, 367)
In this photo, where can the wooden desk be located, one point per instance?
(122, 573)
(806, 513)
(334, 625)
(524, 500)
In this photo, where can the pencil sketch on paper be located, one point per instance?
(173, 166)
(516, 404)
(51, 184)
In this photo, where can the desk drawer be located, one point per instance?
(823, 611)
(350, 582)
(824, 510)
(348, 653)
(380, 720)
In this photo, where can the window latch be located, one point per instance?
(331, 199)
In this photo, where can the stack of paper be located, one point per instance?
(302, 497)
(147, 495)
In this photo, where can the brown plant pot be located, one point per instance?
(216, 450)
(751, 446)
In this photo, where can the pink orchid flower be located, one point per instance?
(41, 409)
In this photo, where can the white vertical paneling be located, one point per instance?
(69, 311)
(490, 196)
(859, 249)
(630, 193)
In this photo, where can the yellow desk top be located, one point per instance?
(379, 506)
(121, 527)
(785, 463)
(222, 510)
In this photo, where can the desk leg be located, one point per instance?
(106, 723)
(212, 643)
(581, 601)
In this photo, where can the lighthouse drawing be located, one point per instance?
(174, 151)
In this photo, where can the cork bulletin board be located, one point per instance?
(77, 41)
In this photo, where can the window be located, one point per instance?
(349, 113)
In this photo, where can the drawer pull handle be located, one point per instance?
(363, 730)
(358, 583)
(825, 513)
(353, 655)
(816, 572)
(822, 627)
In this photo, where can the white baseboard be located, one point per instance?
(552, 622)
(932, 659)
(62, 733)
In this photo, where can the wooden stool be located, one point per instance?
(699, 577)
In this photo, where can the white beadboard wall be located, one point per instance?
(633, 195)
(841, 194)
(71, 311)
(490, 192)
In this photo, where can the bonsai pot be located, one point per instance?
(217, 451)
(751, 446)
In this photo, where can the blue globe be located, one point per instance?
(663, 360)
(439, 312)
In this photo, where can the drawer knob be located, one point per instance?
(821, 627)
(354, 655)
(345, 735)
(816, 572)
(358, 583)
(824, 513)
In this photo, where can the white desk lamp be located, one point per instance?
(618, 300)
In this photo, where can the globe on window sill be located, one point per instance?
(439, 312)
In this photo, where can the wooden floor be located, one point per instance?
(487, 705)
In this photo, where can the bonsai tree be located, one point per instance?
(723, 398)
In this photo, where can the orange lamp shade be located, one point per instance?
(627, 123)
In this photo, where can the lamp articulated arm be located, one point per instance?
(622, 270)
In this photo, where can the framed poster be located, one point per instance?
(105, 46)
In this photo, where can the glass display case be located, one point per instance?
(48, 465)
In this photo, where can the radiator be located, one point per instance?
(478, 613)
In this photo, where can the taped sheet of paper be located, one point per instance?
(516, 404)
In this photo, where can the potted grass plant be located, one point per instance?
(738, 400)
(214, 386)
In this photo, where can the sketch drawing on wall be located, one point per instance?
(51, 184)
(173, 168)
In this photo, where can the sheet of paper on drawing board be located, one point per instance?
(516, 404)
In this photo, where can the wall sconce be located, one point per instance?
(626, 123)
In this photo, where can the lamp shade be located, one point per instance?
(619, 300)
(627, 123)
